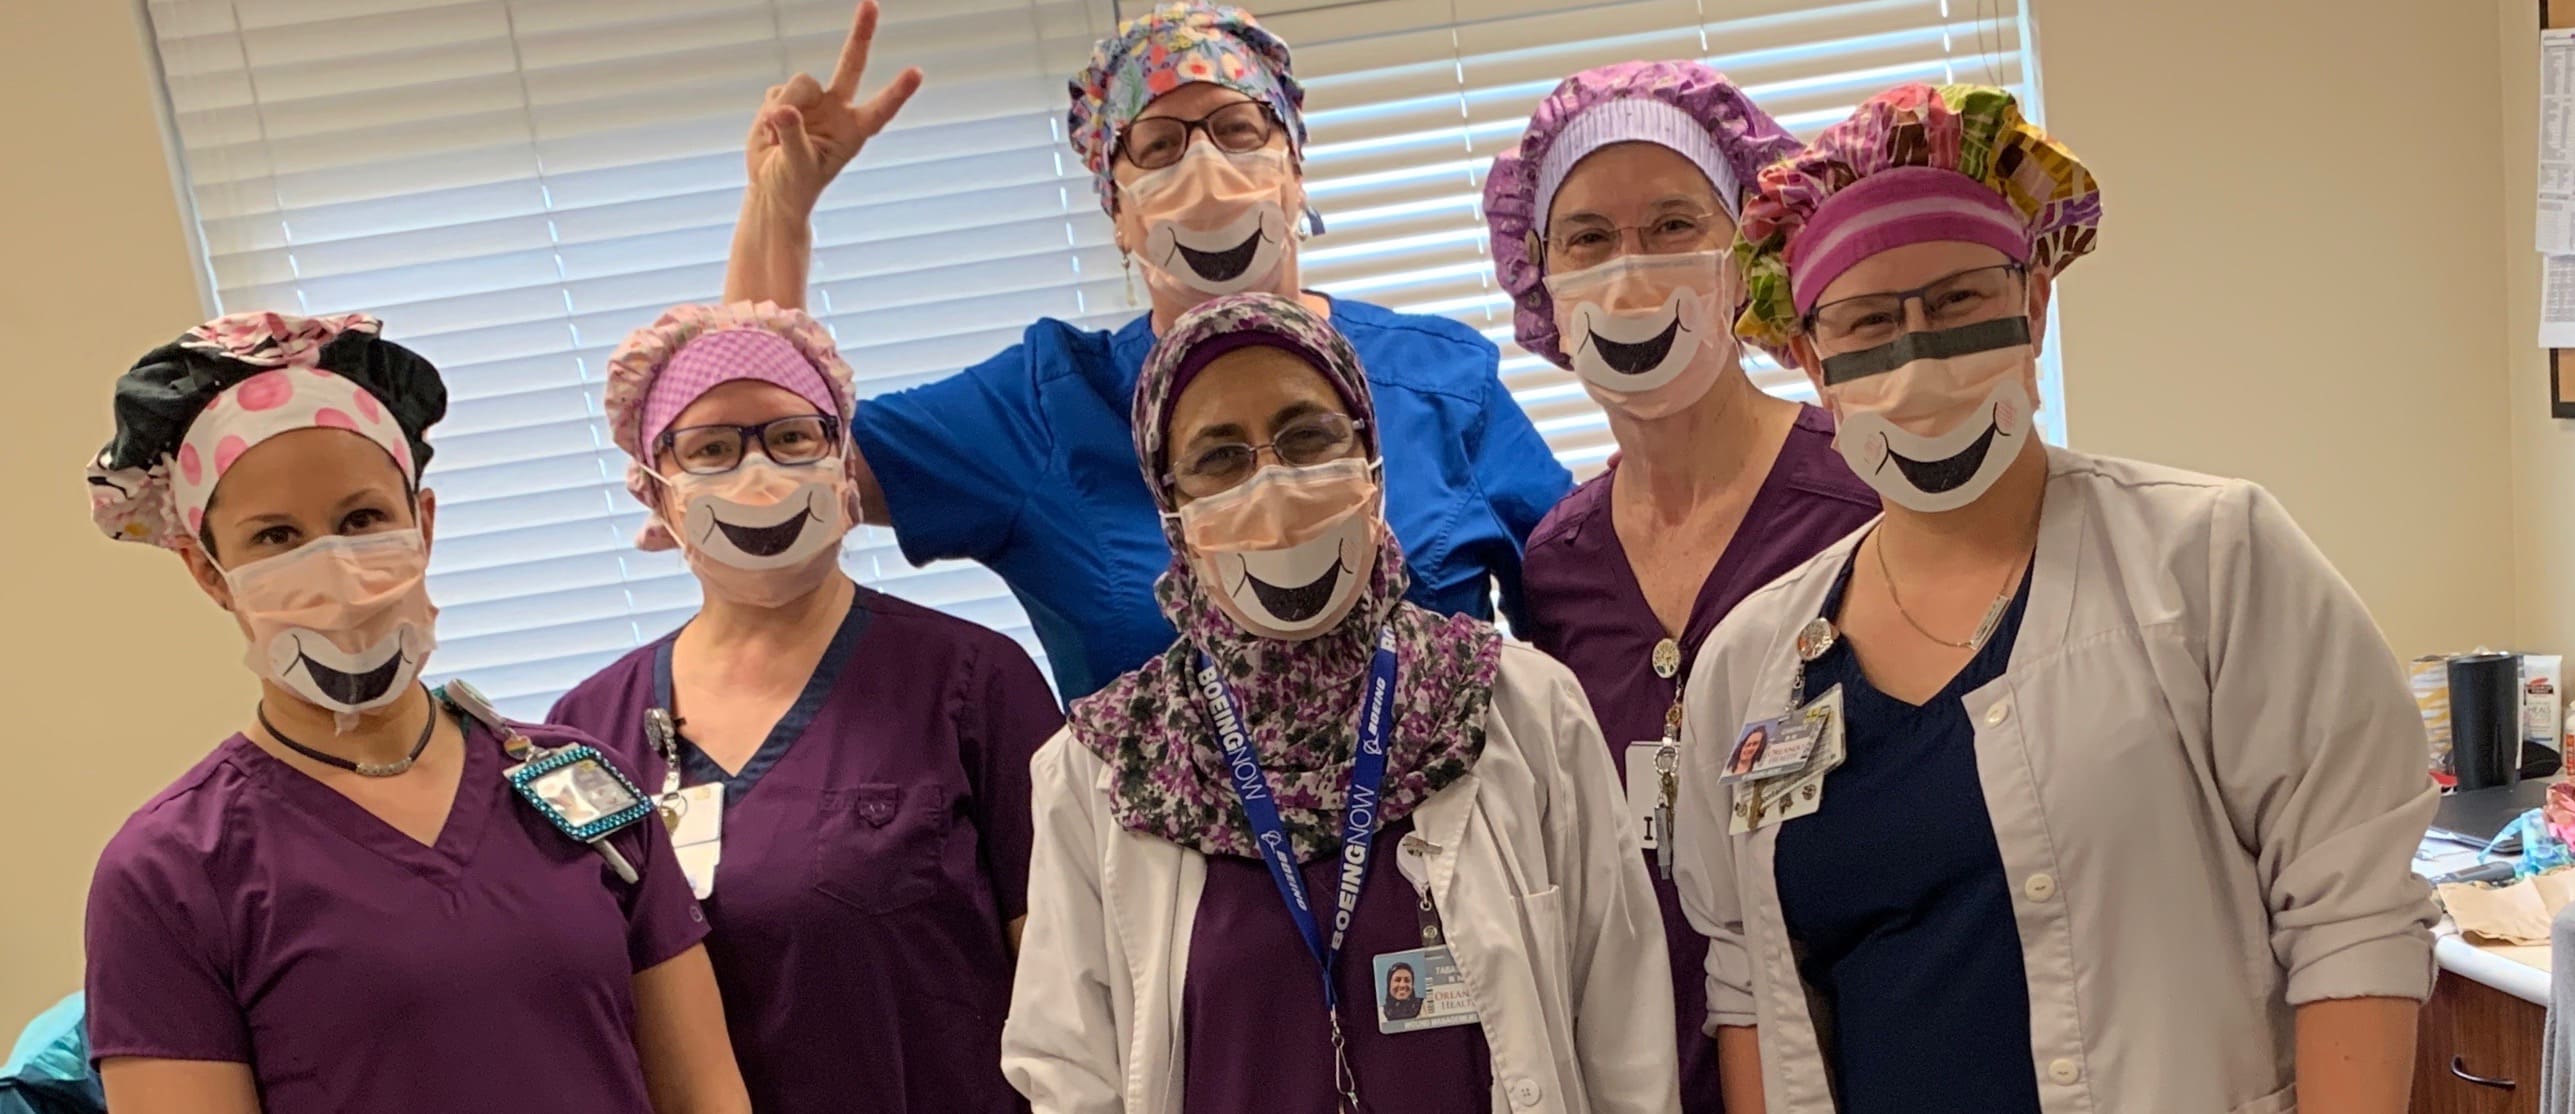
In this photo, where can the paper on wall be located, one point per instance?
(2557, 301)
(2556, 225)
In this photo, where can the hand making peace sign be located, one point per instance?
(806, 132)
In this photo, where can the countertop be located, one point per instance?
(2519, 971)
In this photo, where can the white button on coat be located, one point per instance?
(2040, 887)
(1524, 1093)
(1994, 716)
(2064, 1071)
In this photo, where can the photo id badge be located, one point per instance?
(696, 819)
(1421, 989)
(579, 793)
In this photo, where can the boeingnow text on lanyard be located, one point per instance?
(1358, 825)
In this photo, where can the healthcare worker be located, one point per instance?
(848, 771)
(1239, 842)
(1611, 221)
(2089, 784)
(1192, 126)
(370, 899)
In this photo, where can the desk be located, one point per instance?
(2478, 1049)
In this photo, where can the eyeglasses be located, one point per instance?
(1963, 298)
(1309, 440)
(1581, 242)
(712, 450)
(1154, 142)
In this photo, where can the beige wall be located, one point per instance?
(107, 694)
(2297, 280)
(2288, 290)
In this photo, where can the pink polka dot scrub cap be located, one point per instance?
(190, 408)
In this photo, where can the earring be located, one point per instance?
(1127, 263)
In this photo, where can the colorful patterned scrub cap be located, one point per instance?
(692, 349)
(1174, 45)
(1974, 132)
(190, 408)
(1684, 106)
(1214, 328)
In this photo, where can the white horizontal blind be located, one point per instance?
(513, 185)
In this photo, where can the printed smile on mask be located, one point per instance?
(1937, 476)
(1221, 256)
(1640, 357)
(1293, 603)
(766, 541)
(353, 687)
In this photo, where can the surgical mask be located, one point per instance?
(1286, 553)
(343, 622)
(1933, 419)
(1647, 334)
(1215, 223)
(762, 534)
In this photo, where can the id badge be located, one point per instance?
(1421, 989)
(579, 792)
(1645, 790)
(696, 819)
(1760, 804)
(1754, 756)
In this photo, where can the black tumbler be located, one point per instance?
(2485, 719)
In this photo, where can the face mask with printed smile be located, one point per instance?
(1286, 553)
(1933, 419)
(1646, 333)
(343, 622)
(1214, 222)
(763, 533)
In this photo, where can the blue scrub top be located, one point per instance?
(1897, 905)
(1026, 464)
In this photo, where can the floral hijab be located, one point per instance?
(1301, 699)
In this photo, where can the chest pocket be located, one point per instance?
(877, 845)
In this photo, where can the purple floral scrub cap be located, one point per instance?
(1887, 157)
(693, 349)
(190, 408)
(1684, 106)
(1164, 49)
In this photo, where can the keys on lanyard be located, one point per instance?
(1358, 826)
(1667, 774)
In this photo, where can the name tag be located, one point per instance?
(1645, 791)
(1762, 803)
(696, 818)
(1421, 989)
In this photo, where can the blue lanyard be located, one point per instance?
(1358, 815)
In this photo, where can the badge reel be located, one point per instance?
(694, 815)
(1654, 766)
(574, 788)
(1421, 988)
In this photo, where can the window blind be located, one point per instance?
(513, 185)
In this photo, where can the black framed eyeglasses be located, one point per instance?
(712, 450)
(1313, 439)
(1154, 142)
(1959, 298)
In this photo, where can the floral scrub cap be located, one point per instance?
(1973, 131)
(1174, 45)
(1684, 106)
(189, 409)
(693, 349)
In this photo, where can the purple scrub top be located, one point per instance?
(1589, 613)
(1252, 1021)
(252, 914)
(875, 847)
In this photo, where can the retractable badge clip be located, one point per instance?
(574, 788)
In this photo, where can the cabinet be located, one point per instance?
(2478, 1051)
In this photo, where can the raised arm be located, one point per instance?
(803, 135)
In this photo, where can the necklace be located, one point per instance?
(362, 769)
(1984, 629)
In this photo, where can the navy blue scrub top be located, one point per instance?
(1026, 464)
(1897, 905)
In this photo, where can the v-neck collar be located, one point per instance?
(1989, 661)
(1704, 615)
(697, 769)
(446, 857)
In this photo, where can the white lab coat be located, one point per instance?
(2206, 779)
(1535, 868)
